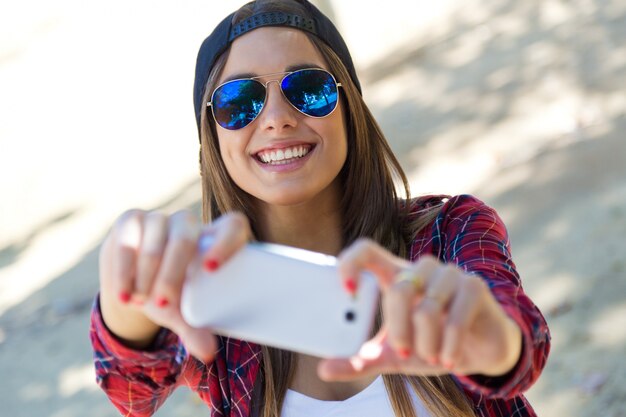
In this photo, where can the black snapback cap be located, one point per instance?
(216, 43)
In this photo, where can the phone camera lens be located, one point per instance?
(350, 316)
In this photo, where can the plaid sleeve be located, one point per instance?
(473, 236)
(136, 382)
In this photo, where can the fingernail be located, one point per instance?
(433, 360)
(162, 302)
(211, 265)
(138, 301)
(350, 285)
(448, 365)
(404, 352)
(124, 297)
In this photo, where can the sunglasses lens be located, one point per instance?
(311, 91)
(237, 103)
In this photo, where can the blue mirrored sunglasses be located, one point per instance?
(237, 103)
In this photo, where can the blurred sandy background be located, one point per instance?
(521, 103)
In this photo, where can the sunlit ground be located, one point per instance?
(520, 103)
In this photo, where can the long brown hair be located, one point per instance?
(371, 207)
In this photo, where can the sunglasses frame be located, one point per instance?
(279, 81)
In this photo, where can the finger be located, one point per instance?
(155, 230)
(184, 229)
(128, 231)
(375, 357)
(199, 342)
(367, 362)
(229, 234)
(365, 254)
(462, 313)
(399, 302)
(428, 315)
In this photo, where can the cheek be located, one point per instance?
(233, 154)
(339, 122)
(230, 145)
(226, 153)
(337, 130)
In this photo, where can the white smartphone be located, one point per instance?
(283, 297)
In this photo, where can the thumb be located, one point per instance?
(201, 343)
(368, 361)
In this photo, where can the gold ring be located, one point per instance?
(410, 276)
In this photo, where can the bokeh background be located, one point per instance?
(521, 103)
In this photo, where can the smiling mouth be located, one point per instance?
(283, 156)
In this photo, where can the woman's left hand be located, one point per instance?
(437, 319)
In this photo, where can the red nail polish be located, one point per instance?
(433, 360)
(124, 297)
(404, 352)
(162, 302)
(350, 285)
(211, 265)
(448, 365)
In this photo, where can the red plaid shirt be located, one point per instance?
(466, 232)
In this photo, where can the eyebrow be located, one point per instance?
(290, 68)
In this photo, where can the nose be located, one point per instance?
(277, 113)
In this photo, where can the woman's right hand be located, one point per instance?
(143, 265)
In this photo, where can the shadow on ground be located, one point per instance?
(12, 252)
(50, 331)
(481, 74)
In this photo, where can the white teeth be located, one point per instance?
(283, 155)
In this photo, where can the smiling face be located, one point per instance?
(283, 157)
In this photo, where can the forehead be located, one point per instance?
(270, 50)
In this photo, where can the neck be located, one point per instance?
(307, 382)
(314, 226)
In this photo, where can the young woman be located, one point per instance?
(290, 154)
